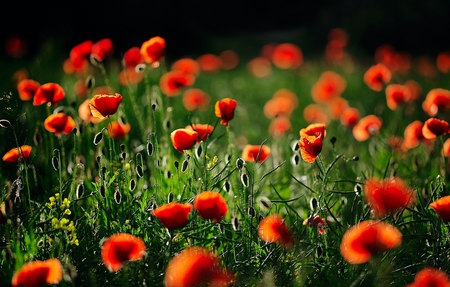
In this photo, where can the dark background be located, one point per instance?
(193, 27)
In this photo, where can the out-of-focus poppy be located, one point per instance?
(38, 273)
(412, 136)
(209, 63)
(273, 229)
(387, 196)
(434, 127)
(339, 35)
(328, 86)
(279, 126)
(27, 89)
(367, 239)
(442, 208)
(173, 215)
(267, 50)
(84, 112)
(78, 56)
(121, 248)
(118, 130)
(310, 142)
(154, 49)
(197, 266)
(102, 90)
(414, 88)
(436, 100)
(286, 93)
(80, 88)
(16, 47)
(229, 59)
(183, 139)
(278, 106)
(186, 65)
(210, 205)
(430, 277)
(334, 51)
(425, 67)
(259, 67)
(203, 131)
(392, 59)
(20, 75)
(446, 148)
(129, 76)
(317, 222)
(443, 62)
(132, 57)
(349, 117)
(102, 49)
(194, 99)
(59, 123)
(287, 56)
(103, 105)
(224, 109)
(366, 127)
(377, 76)
(314, 113)
(397, 94)
(171, 83)
(15, 154)
(336, 107)
(49, 92)
(255, 153)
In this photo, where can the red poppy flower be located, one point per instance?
(194, 99)
(387, 196)
(442, 208)
(434, 127)
(211, 205)
(278, 106)
(317, 222)
(259, 67)
(397, 94)
(349, 117)
(393, 60)
(132, 57)
(224, 109)
(84, 112)
(376, 76)
(330, 85)
(173, 215)
(153, 49)
(129, 76)
(412, 135)
(252, 153)
(59, 123)
(366, 127)
(430, 277)
(436, 100)
(118, 130)
(336, 106)
(27, 89)
(443, 61)
(49, 92)
(310, 142)
(279, 126)
(121, 248)
(287, 56)
(203, 131)
(229, 59)
(38, 273)
(78, 56)
(196, 266)
(313, 113)
(102, 49)
(171, 83)
(15, 154)
(183, 139)
(186, 65)
(209, 63)
(273, 229)
(367, 239)
(103, 105)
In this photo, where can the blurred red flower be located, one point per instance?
(203, 131)
(255, 153)
(129, 76)
(16, 47)
(154, 49)
(194, 99)
(27, 88)
(229, 59)
(317, 222)
(412, 136)
(173, 215)
(103, 105)
(310, 142)
(442, 208)
(102, 49)
(397, 94)
(336, 106)
(38, 273)
(259, 67)
(376, 76)
(430, 277)
(183, 139)
(211, 205)
(434, 127)
(366, 127)
(279, 126)
(349, 117)
(224, 109)
(314, 113)
(287, 56)
(132, 57)
(186, 65)
(171, 83)
(59, 123)
(118, 130)
(121, 248)
(49, 92)
(209, 63)
(273, 229)
(443, 61)
(78, 56)
(330, 85)
(436, 100)
(15, 154)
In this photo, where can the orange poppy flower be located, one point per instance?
(412, 135)
(38, 273)
(366, 127)
(349, 117)
(224, 109)
(229, 59)
(209, 63)
(121, 248)
(194, 99)
(387, 196)
(310, 142)
(436, 100)
(132, 57)
(442, 208)
(196, 266)
(49, 92)
(430, 277)
(203, 131)
(211, 205)
(336, 106)
(397, 94)
(313, 113)
(183, 139)
(279, 126)
(59, 123)
(118, 130)
(173, 215)
(84, 112)
(154, 49)
(102, 49)
(129, 76)
(443, 61)
(259, 67)
(27, 89)
(273, 229)
(446, 148)
(186, 65)
(103, 105)
(15, 154)
(434, 127)
(317, 222)
(376, 76)
(414, 88)
(171, 83)
(252, 153)
(287, 56)
(367, 239)
(329, 85)
(278, 106)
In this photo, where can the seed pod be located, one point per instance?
(167, 124)
(132, 184)
(79, 191)
(313, 204)
(240, 162)
(227, 186)
(140, 68)
(5, 123)
(184, 165)
(149, 148)
(55, 163)
(90, 82)
(75, 131)
(235, 223)
(198, 151)
(102, 191)
(170, 197)
(139, 171)
(98, 137)
(295, 146)
(355, 158)
(117, 196)
(358, 189)
(333, 140)
(265, 202)
(244, 179)
(123, 155)
(295, 159)
(154, 107)
(122, 147)
(251, 212)
(167, 174)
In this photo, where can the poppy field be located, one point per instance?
(124, 168)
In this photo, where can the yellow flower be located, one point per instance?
(57, 195)
(67, 211)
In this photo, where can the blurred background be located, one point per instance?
(193, 27)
